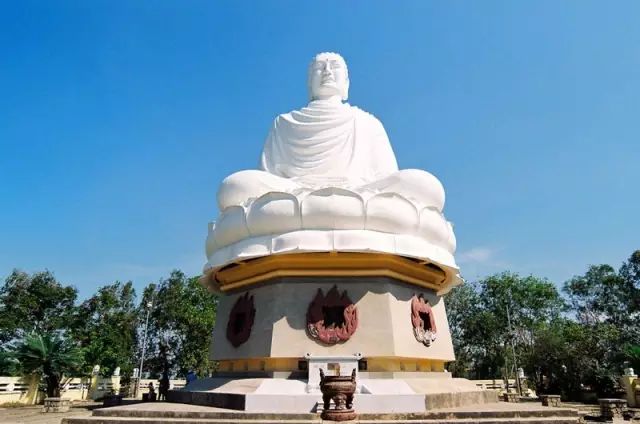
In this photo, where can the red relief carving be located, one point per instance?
(332, 318)
(241, 320)
(425, 332)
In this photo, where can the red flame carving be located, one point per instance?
(241, 320)
(424, 333)
(332, 333)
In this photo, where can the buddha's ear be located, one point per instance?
(345, 90)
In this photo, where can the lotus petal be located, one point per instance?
(231, 227)
(333, 209)
(274, 213)
(391, 213)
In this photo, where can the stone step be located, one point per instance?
(164, 413)
(479, 414)
(431, 415)
(200, 415)
(158, 420)
(529, 420)
(164, 420)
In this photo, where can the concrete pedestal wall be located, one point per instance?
(384, 327)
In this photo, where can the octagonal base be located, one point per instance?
(279, 338)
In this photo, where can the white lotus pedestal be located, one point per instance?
(282, 317)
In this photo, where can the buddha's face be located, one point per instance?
(328, 77)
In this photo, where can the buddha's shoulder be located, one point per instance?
(362, 112)
(309, 113)
(366, 116)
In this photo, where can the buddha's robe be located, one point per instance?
(329, 145)
(326, 142)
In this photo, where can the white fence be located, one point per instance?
(27, 390)
(497, 384)
(18, 390)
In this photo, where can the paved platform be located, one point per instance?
(374, 395)
(162, 413)
(166, 406)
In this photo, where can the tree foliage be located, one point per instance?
(462, 304)
(564, 347)
(491, 316)
(181, 320)
(39, 316)
(105, 326)
(571, 357)
(9, 365)
(600, 295)
(34, 302)
(606, 304)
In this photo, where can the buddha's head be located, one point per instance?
(328, 77)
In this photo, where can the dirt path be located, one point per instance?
(34, 415)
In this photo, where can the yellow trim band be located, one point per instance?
(331, 264)
(374, 364)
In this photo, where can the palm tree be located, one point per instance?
(49, 355)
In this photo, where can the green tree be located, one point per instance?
(552, 358)
(105, 326)
(573, 357)
(8, 364)
(496, 318)
(633, 352)
(181, 320)
(630, 270)
(606, 303)
(462, 305)
(600, 295)
(49, 355)
(630, 273)
(34, 302)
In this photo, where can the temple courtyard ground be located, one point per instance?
(161, 412)
(34, 414)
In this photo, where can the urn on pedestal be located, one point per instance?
(340, 389)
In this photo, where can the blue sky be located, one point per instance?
(118, 119)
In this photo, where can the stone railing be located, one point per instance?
(13, 384)
(19, 390)
(497, 384)
(25, 390)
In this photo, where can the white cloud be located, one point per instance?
(481, 261)
(477, 255)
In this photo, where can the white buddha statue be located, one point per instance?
(329, 143)
(329, 181)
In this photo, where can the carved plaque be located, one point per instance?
(241, 320)
(332, 318)
(423, 321)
